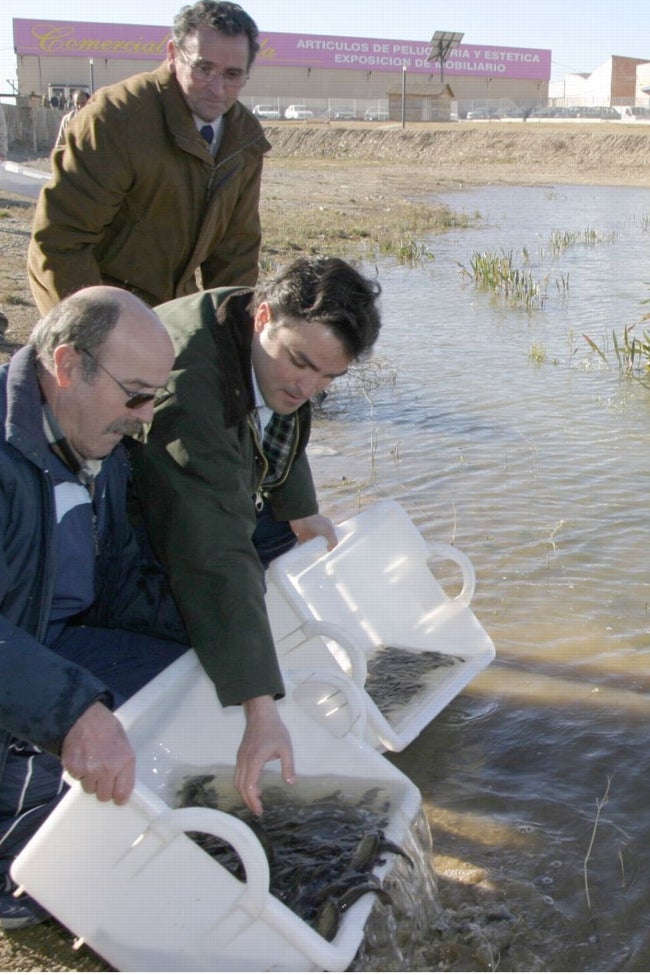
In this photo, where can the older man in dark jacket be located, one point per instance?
(85, 620)
(139, 197)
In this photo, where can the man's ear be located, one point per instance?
(262, 317)
(66, 365)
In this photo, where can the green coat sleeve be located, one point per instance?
(194, 479)
(296, 498)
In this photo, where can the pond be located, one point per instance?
(499, 429)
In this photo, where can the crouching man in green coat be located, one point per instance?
(227, 444)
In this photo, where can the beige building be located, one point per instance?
(325, 73)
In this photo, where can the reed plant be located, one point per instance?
(497, 273)
(408, 251)
(562, 239)
(631, 352)
(537, 353)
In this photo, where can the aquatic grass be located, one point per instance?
(632, 354)
(600, 805)
(368, 375)
(496, 272)
(408, 251)
(562, 283)
(562, 239)
(361, 380)
(537, 353)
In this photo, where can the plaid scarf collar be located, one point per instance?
(86, 470)
(279, 437)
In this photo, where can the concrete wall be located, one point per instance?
(32, 130)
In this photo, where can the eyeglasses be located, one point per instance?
(134, 400)
(205, 72)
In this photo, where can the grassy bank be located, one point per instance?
(353, 209)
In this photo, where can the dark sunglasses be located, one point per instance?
(133, 400)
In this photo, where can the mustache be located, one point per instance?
(128, 428)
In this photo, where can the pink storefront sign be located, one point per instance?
(57, 38)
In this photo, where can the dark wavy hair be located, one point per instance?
(327, 291)
(227, 18)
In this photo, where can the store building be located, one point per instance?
(320, 71)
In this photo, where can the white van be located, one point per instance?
(267, 112)
(300, 112)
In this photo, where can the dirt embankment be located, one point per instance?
(519, 152)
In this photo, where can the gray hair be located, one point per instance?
(226, 18)
(83, 321)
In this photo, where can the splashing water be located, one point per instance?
(397, 934)
(300, 834)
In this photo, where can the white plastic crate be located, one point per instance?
(136, 889)
(376, 593)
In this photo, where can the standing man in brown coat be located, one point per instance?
(143, 196)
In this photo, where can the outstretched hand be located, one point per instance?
(265, 739)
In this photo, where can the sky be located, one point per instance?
(581, 36)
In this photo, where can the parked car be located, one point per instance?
(551, 111)
(516, 113)
(376, 115)
(267, 112)
(298, 112)
(556, 111)
(482, 113)
(341, 115)
(636, 111)
(590, 111)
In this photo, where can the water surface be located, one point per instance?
(501, 431)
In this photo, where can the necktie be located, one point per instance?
(208, 134)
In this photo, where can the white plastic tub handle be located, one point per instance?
(356, 699)
(448, 552)
(358, 660)
(199, 819)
